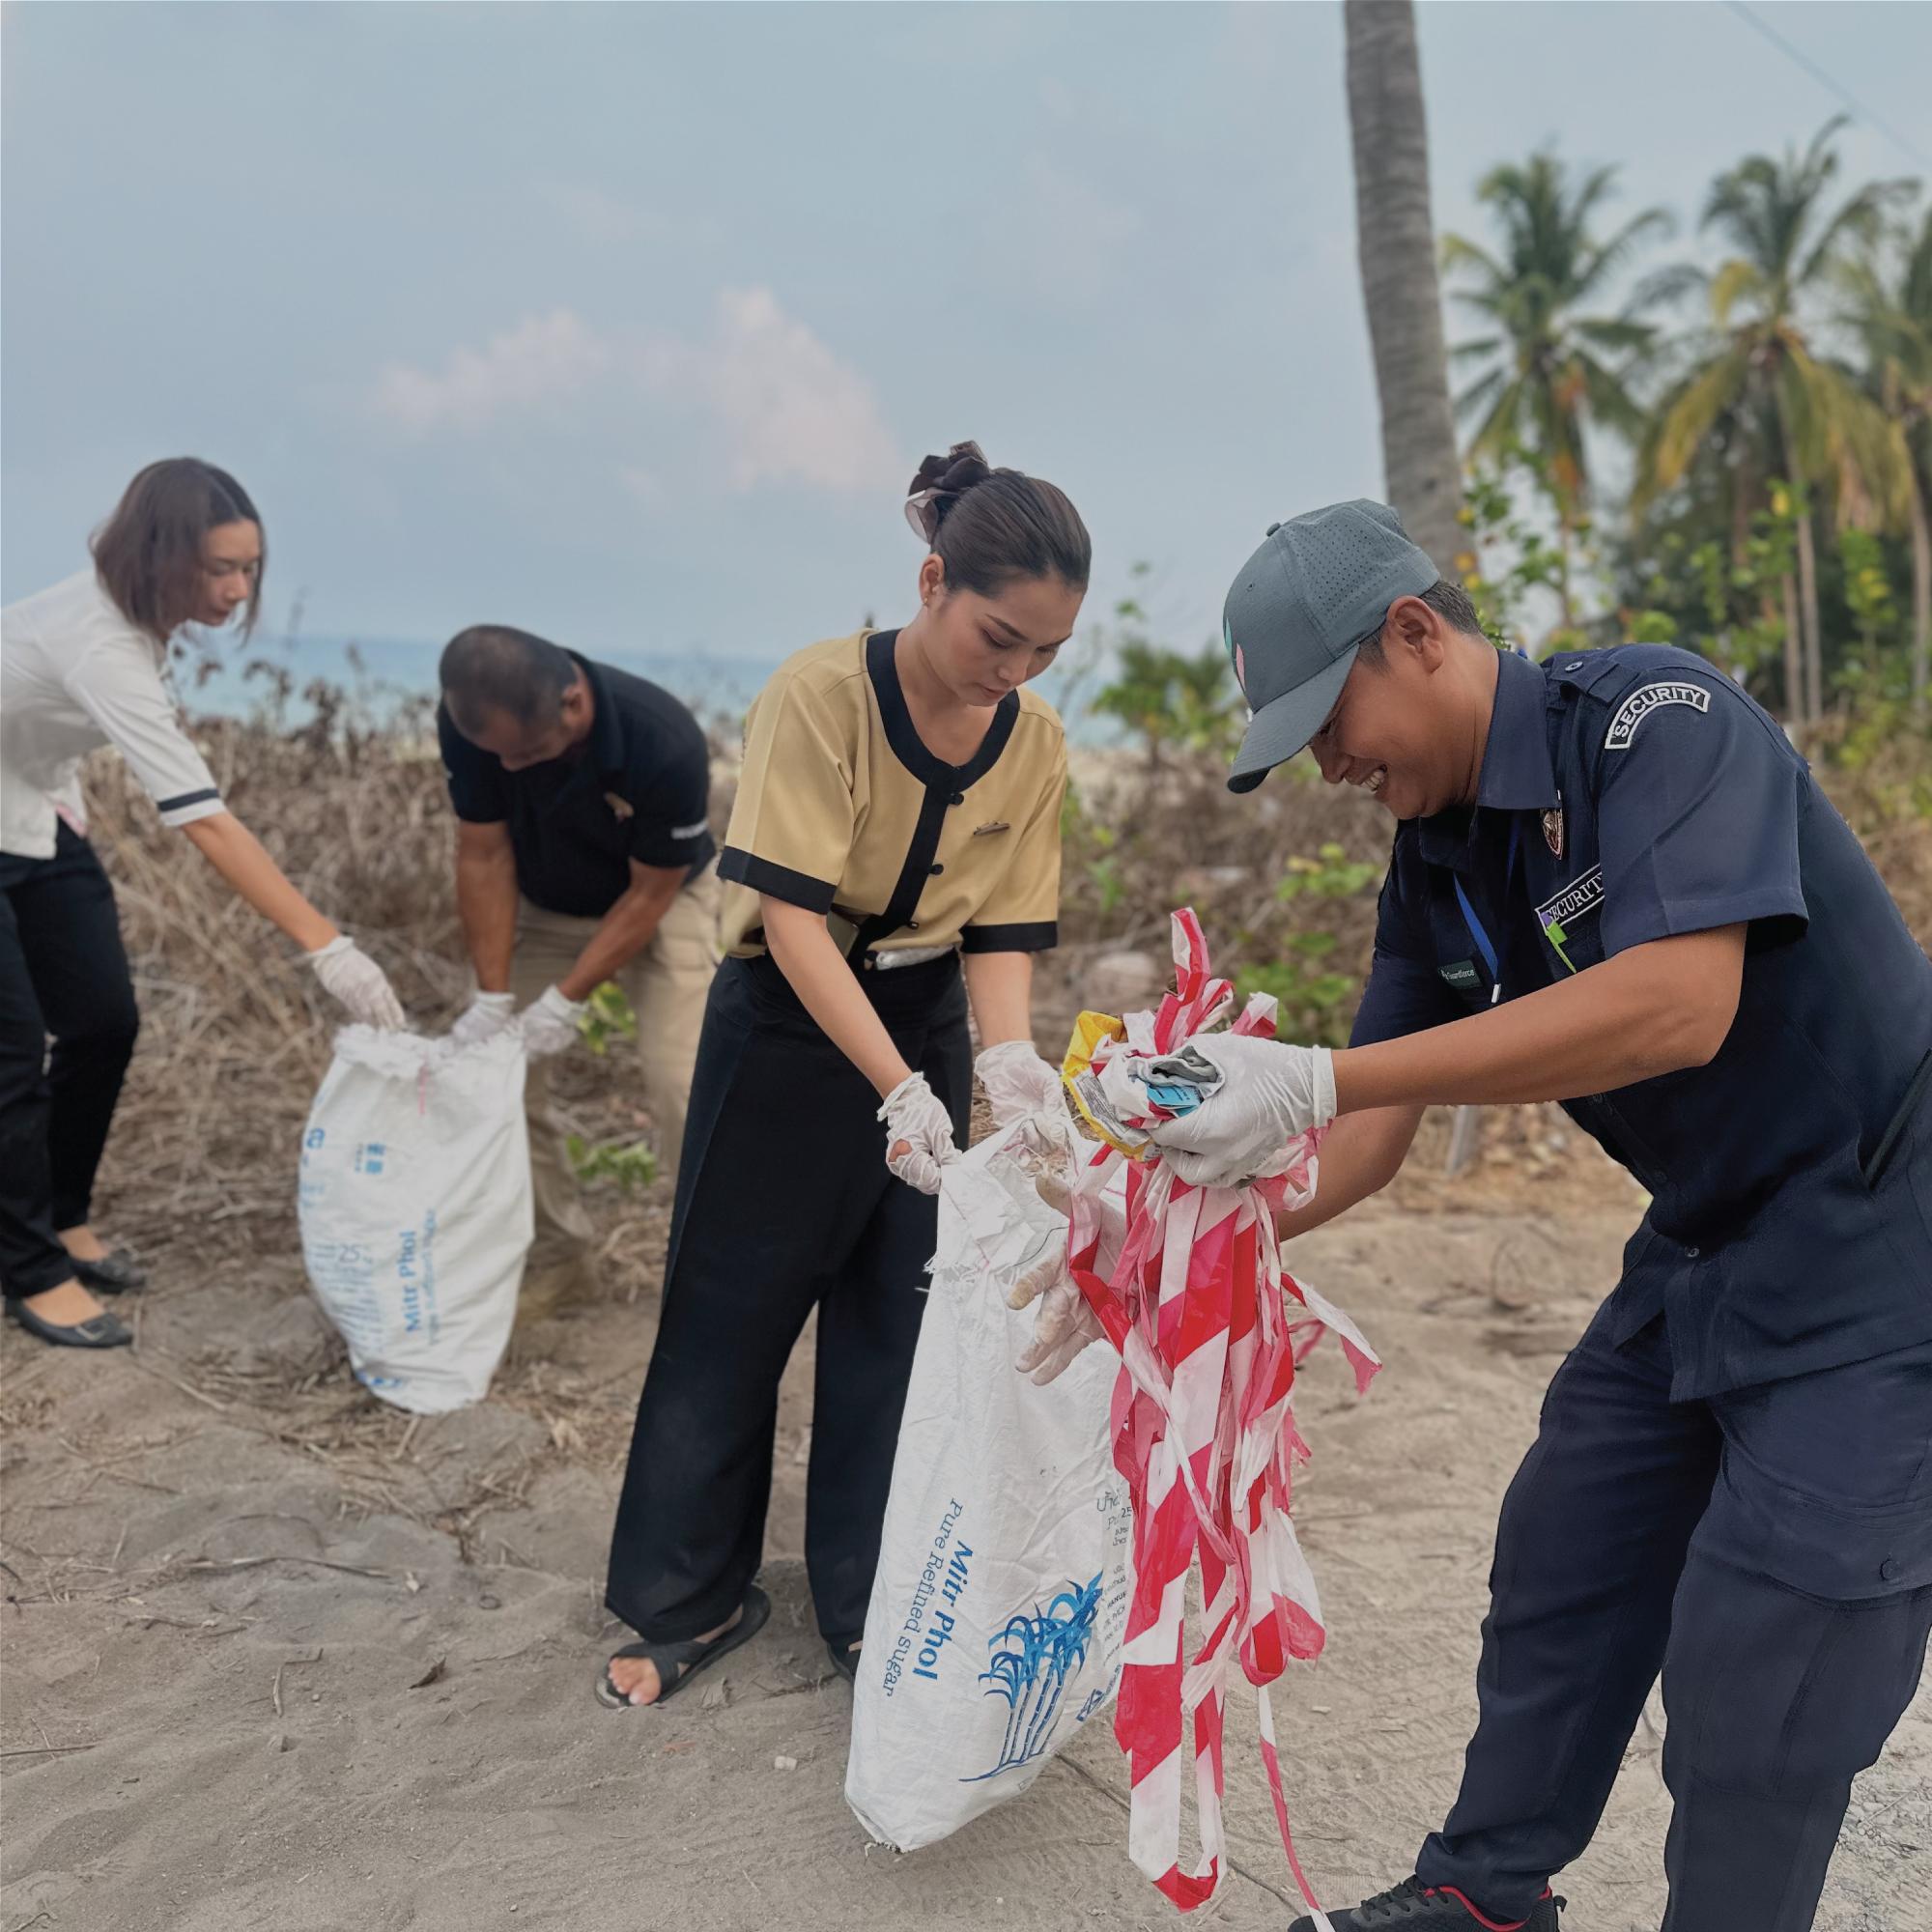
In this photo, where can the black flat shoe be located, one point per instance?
(112, 1274)
(97, 1331)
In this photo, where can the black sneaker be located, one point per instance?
(1414, 1907)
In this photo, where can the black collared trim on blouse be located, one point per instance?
(946, 785)
(1036, 936)
(779, 882)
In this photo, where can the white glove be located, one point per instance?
(353, 978)
(1018, 1081)
(548, 1023)
(919, 1134)
(486, 1016)
(1270, 1094)
(1064, 1322)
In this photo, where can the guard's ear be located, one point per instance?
(1413, 630)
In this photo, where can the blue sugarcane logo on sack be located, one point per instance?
(1033, 1657)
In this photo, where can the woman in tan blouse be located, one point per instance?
(894, 857)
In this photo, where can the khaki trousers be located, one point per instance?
(665, 984)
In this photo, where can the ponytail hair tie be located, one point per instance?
(941, 480)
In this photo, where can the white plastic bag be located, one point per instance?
(995, 1625)
(415, 1210)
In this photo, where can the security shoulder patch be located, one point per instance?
(1649, 698)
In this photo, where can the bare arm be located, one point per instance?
(1653, 1009)
(1000, 986)
(1360, 1157)
(238, 856)
(486, 900)
(830, 991)
(626, 928)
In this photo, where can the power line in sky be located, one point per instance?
(1824, 79)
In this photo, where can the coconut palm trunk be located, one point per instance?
(1794, 656)
(1808, 592)
(1921, 603)
(1395, 238)
(1397, 242)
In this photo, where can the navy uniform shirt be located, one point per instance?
(639, 789)
(1627, 795)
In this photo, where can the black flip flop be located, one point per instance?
(112, 1274)
(97, 1331)
(677, 1663)
(845, 1658)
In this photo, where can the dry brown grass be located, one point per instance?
(236, 1032)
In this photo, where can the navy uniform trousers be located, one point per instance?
(784, 1204)
(1770, 1550)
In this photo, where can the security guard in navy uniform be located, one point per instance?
(1616, 886)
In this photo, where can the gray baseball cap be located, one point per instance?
(1304, 605)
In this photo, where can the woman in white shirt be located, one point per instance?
(81, 666)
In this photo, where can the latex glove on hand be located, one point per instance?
(1018, 1083)
(350, 976)
(1270, 1093)
(1064, 1322)
(919, 1134)
(548, 1024)
(486, 1016)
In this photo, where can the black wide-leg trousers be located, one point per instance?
(783, 1204)
(63, 974)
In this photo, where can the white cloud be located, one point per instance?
(791, 410)
(543, 359)
(780, 405)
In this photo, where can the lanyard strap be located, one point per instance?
(1475, 925)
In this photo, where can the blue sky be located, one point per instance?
(628, 323)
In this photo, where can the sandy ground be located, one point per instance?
(276, 1657)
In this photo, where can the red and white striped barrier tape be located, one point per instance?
(1210, 1329)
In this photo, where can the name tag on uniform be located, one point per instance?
(1558, 916)
(1461, 976)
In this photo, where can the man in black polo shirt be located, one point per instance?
(583, 854)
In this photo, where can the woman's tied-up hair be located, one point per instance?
(988, 526)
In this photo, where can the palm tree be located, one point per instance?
(1551, 370)
(1397, 244)
(1756, 380)
(1894, 325)
(1395, 238)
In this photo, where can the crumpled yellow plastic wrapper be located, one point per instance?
(1076, 1071)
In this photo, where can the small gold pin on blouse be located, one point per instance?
(995, 825)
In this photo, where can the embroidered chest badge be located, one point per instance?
(1557, 916)
(1552, 828)
(622, 807)
(990, 827)
(1642, 702)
